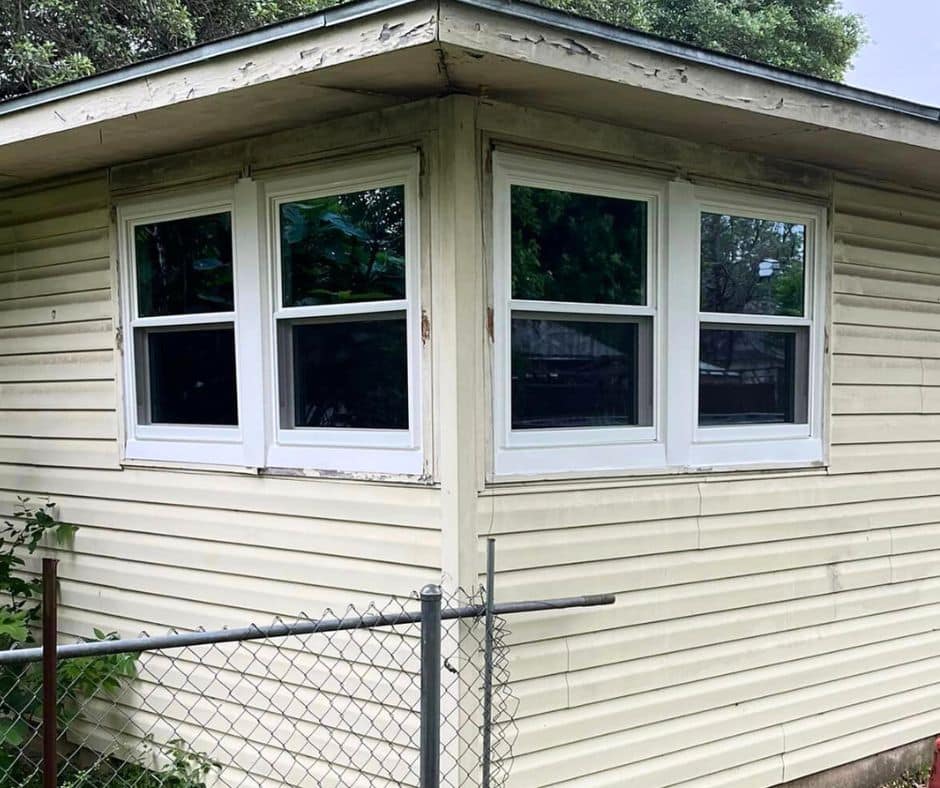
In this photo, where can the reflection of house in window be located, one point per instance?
(748, 376)
(573, 373)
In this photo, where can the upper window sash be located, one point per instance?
(558, 449)
(393, 450)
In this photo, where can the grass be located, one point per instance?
(916, 778)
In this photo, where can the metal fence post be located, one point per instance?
(431, 686)
(50, 630)
(488, 662)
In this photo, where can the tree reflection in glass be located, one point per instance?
(184, 266)
(344, 248)
(578, 247)
(752, 266)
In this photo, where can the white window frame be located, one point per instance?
(347, 449)
(258, 442)
(549, 451)
(765, 444)
(209, 445)
(675, 442)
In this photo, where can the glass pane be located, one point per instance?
(579, 373)
(184, 266)
(752, 266)
(344, 248)
(191, 375)
(750, 376)
(578, 247)
(352, 373)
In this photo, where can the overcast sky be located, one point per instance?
(903, 57)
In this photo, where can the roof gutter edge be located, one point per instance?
(578, 24)
(225, 46)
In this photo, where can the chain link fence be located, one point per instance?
(393, 695)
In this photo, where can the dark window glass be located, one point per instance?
(184, 266)
(191, 375)
(578, 247)
(577, 373)
(344, 248)
(352, 373)
(752, 266)
(750, 376)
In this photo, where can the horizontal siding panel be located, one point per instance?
(845, 749)
(881, 233)
(899, 206)
(50, 424)
(55, 280)
(413, 547)
(57, 367)
(863, 458)
(875, 282)
(856, 400)
(885, 259)
(191, 555)
(51, 338)
(907, 343)
(68, 248)
(881, 371)
(54, 200)
(890, 428)
(58, 225)
(69, 308)
(59, 454)
(692, 566)
(342, 501)
(890, 313)
(708, 597)
(59, 396)
(770, 696)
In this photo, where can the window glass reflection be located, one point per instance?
(752, 266)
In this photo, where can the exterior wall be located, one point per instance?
(160, 548)
(768, 625)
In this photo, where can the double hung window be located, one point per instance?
(577, 254)
(643, 324)
(275, 324)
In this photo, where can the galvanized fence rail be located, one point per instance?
(379, 697)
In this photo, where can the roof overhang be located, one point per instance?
(370, 55)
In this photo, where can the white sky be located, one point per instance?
(903, 57)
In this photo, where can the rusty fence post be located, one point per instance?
(49, 635)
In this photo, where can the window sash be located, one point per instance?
(676, 441)
(257, 441)
(560, 450)
(395, 451)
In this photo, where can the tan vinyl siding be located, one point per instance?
(160, 548)
(767, 626)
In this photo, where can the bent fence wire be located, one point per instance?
(334, 701)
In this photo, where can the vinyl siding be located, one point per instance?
(767, 626)
(160, 549)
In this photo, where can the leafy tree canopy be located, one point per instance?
(46, 42)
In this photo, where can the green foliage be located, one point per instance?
(810, 36)
(47, 42)
(76, 680)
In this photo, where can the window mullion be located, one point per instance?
(249, 351)
(681, 321)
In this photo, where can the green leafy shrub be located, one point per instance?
(76, 679)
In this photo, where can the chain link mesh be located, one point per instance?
(329, 708)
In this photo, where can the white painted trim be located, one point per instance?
(351, 450)
(219, 445)
(675, 442)
(578, 449)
